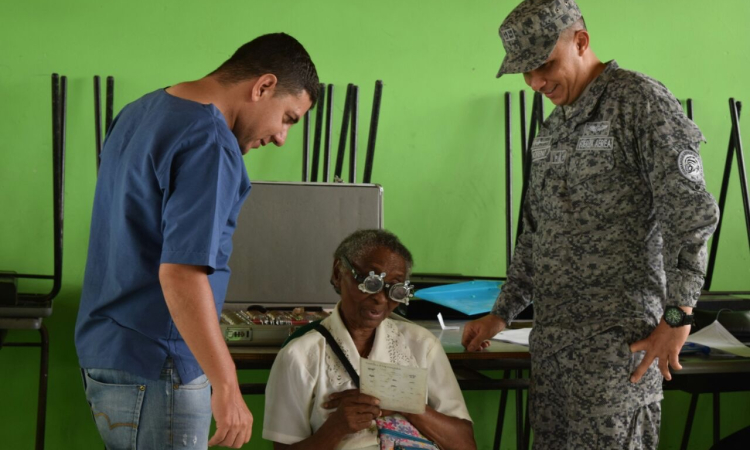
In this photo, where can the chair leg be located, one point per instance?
(527, 424)
(519, 414)
(501, 414)
(717, 416)
(41, 415)
(689, 421)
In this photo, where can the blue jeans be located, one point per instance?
(133, 412)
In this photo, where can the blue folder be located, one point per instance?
(471, 297)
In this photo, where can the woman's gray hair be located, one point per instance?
(355, 246)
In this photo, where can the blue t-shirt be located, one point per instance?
(170, 187)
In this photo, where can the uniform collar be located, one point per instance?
(584, 105)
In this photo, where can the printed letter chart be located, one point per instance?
(399, 388)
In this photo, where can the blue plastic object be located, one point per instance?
(690, 348)
(471, 297)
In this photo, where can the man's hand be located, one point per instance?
(234, 422)
(663, 343)
(478, 331)
(354, 411)
(190, 300)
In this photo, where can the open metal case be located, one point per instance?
(283, 254)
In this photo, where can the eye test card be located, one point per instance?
(399, 388)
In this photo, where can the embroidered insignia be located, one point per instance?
(596, 128)
(508, 34)
(539, 153)
(540, 148)
(558, 156)
(690, 166)
(601, 143)
(541, 142)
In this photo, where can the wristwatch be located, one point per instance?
(676, 317)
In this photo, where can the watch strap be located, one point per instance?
(687, 319)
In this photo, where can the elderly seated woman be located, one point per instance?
(311, 400)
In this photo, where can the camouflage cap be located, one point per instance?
(530, 32)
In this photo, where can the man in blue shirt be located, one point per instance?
(171, 184)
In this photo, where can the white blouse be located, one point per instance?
(307, 371)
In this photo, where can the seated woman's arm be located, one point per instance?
(289, 400)
(450, 433)
(445, 420)
(448, 429)
(355, 412)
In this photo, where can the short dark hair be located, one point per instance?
(578, 25)
(361, 242)
(278, 54)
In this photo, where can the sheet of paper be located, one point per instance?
(399, 388)
(717, 337)
(519, 336)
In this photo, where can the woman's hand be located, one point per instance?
(335, 399)
(354, 411)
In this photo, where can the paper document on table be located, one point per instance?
(518, 336)
(399, 388)
(717, 337)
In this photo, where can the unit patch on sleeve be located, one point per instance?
(690, 166)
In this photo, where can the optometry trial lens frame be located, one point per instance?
(374, 283)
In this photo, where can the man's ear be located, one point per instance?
(264, 86)
(581, 39)
(336, 276)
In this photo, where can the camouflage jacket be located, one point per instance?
(616, 217)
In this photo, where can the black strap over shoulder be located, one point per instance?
(301, 331)
(340, 353)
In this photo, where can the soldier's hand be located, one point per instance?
(478, 331)
(663, 343)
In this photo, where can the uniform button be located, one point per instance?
(176, 386)
(142, 388)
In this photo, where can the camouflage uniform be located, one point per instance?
(615, 228)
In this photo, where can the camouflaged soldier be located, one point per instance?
(614, 243)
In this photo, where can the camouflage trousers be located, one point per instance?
(582, 398)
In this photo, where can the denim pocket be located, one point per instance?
(192, 412)
(199, 383)
(116, 407)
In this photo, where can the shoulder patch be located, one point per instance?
(690, 166)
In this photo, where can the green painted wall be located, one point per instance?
(439, 148)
